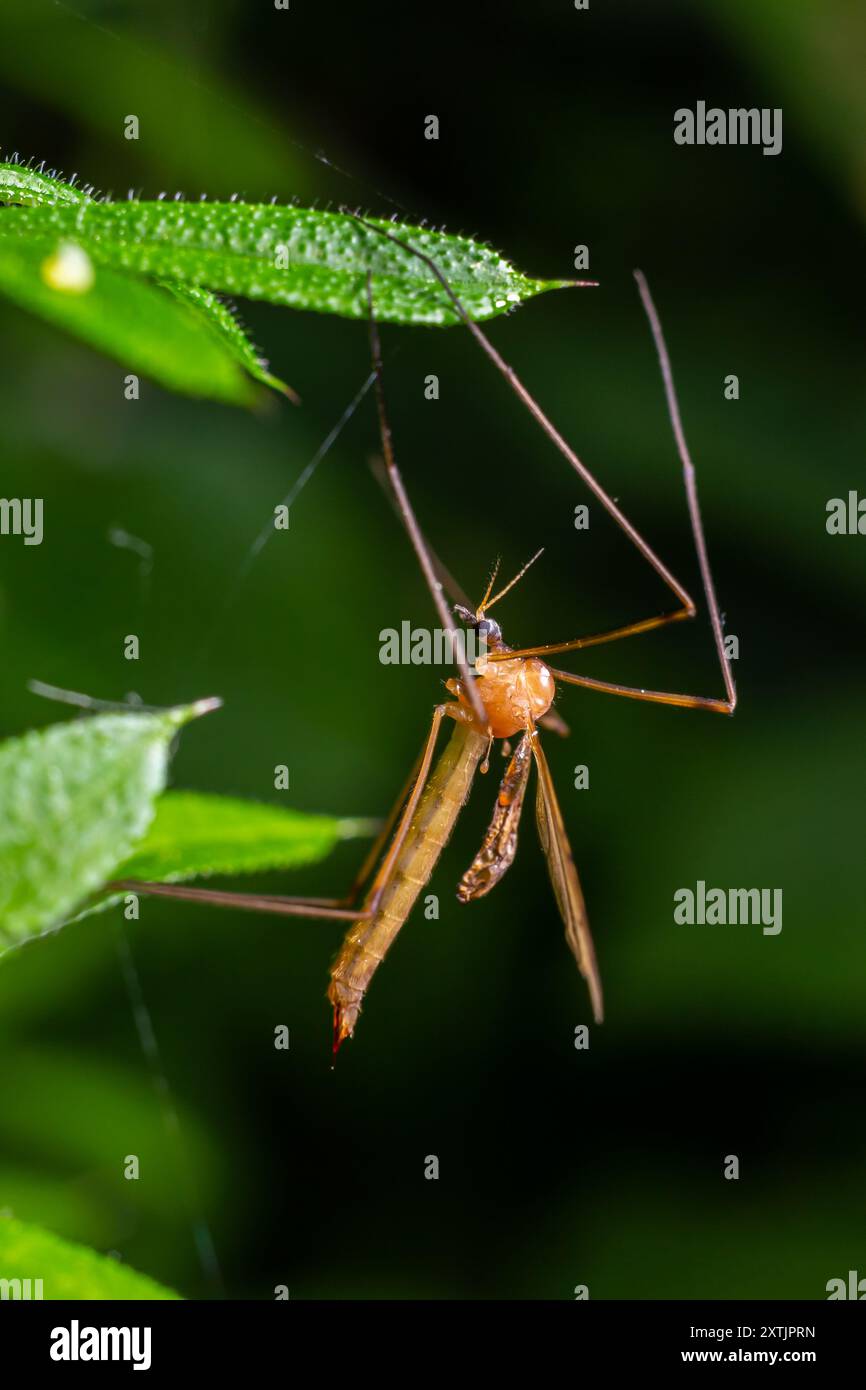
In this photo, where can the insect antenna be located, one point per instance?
(484, 604)
(510, 585)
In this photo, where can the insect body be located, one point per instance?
(514, 694)
(368, 940)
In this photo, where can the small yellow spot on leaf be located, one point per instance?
(69, 269)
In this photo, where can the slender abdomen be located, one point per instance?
(367, 941)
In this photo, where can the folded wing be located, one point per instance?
(563, 876)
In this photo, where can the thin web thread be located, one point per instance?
(290, 498)
(201, 1232)
(318, 155)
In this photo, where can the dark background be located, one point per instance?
(558, 1167)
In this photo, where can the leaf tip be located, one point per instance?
(206, 706)
(288, 391)
(182, 714)
(277, 384)
(573, 284)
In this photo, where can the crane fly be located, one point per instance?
(510, 694)
(515, 694)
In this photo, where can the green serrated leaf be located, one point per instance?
(66, 1270)
(300, 257)
(74, 800)
(194, 834)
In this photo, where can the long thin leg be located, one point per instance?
(443, 575)
(250, 902)
(691, 488)
(658, 697)
(407, 515)
(729, 704)
(578, 643)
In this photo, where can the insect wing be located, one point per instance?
(563, 876)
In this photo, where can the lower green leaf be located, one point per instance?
(74, 800)
(184, 341)
(194, 834)
(36, 1264)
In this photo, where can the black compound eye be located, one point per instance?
(489, 628)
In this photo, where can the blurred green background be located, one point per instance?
(558, 1167)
